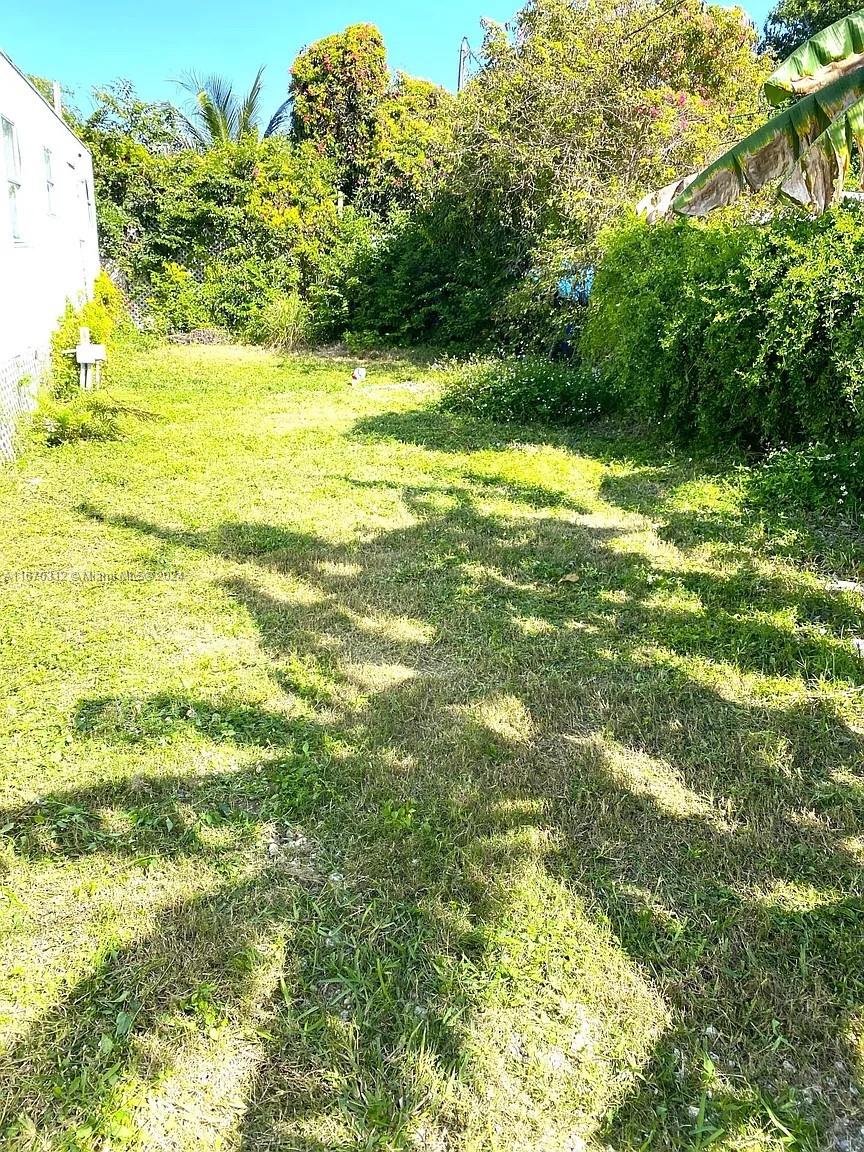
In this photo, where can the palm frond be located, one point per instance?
(657, 205)
(213, 114)
(247, 112)
(817, 180)
(216, 116)
(279, 118)
(218, 121)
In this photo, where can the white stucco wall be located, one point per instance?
(56, 255)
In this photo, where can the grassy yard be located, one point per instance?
(376, 779)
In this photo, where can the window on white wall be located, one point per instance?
(12, 164)
(49, 179)
(89, 199)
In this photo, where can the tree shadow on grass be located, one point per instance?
(182, 1005)
(311, 1039)
(655, 470)
(442, 431)
(468, 715)
(825, 540)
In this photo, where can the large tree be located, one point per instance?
(579, 108)
(386, 134)
(336, 87)
(576, 111)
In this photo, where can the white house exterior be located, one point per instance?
(48, 245)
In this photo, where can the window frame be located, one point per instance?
(12, 155)
(88, 200)
(50, 182)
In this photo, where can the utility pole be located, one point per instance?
(464, 57)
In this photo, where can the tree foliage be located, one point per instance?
(127, 136)
(413, 131)
(582, 106)
(208, 237)
(458, 213)
(336, 86)
(386, 134)
(574, 111)
(70, 112)
(156, 127)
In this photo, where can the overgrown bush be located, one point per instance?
(83, 417)
(820, 478)
(109, 323)
(735, 332)
(236, 291)
(177, 299)
(433, 278)
(399, 209)
(549, 142)
(544, 310)
(336, 278)
(283, 323)
(523, 389)
(204, 239)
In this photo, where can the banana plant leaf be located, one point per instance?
(818, 178)
(836, 51)
(770, 152)
(656, 206)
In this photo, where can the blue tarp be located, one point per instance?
(576, 287)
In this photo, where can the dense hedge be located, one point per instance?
(745, 333)
(211, 239)
(435, 278)
(423, 281)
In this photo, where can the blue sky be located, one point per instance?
(150, 41)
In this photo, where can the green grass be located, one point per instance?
(431, 785)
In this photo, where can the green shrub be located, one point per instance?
(177, 299)
(206, 238)
(734, 332)
(523, 388)
(534, 313)
(84, 417)
(818, 478)
(334, 275)
(282, 323)
(225, 294)
(359, 342)
(109, 323)
(431, 279)
(236, 291)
